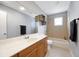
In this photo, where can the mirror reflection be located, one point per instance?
(17, 22)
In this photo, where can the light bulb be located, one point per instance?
(22, 8)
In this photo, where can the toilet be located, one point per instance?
(50, 43)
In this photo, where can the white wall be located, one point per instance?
(73, 13)
(14, 19)
(40, 28)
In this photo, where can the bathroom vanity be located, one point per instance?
(34, 46)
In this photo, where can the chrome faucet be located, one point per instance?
(27, 37)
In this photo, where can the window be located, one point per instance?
(58, 21)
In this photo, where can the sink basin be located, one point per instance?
(30, 37)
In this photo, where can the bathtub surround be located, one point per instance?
(57, 31)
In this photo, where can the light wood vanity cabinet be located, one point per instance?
(39, 49)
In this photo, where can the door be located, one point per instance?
(3, 31)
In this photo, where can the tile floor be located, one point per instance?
(59, 48)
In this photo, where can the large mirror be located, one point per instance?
(14, 23)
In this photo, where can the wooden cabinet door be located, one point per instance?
(40, 50)
(33, 53)
(42, 47)
(45, 46)
(27, 51)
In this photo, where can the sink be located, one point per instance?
(29, 38)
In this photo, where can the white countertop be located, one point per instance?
(11, 46)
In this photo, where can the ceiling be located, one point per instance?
(52, 7)
(30, 7)
(34, 8)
